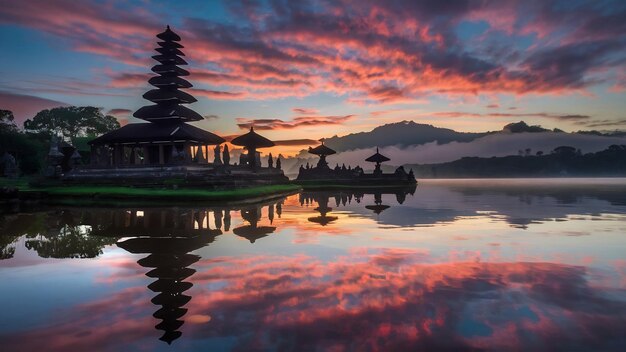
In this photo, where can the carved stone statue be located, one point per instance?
(226, 156)
(216, 152)
(8, 165)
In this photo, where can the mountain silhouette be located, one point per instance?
(402, 133)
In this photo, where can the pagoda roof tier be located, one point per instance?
(158, 132)
(170, 45)
(165, 285)
(170, 324)
(169, 69)
(173, 51)
(161, 260)
(170, 336)
(253, 233)
(322, 150)
(161, 112)
(377, 158)
(170, 59)
(169, 81)
(171, 300)
(253, 140)
(165, 95)
(168, 34)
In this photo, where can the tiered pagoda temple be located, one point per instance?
(322, 173)
(167, 146)
(167, 138)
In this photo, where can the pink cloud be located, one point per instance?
(26, 106)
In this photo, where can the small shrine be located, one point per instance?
(322, 173)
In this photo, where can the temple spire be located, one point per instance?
(167, 96)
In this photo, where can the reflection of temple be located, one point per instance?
(167, 146)
(345, 196)
(169, 236)
(342, 175)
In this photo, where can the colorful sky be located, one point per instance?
(302, 70)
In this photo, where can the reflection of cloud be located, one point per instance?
(381, 299)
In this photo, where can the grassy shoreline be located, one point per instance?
(91, 193)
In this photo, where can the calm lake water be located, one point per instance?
(459, 265)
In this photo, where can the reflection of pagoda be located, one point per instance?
(169, 258)
(253, 232)
(378, 206)
(323, 209)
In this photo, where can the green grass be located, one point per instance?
(103, 192)
(19, 183)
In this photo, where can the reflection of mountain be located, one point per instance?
(518, 202)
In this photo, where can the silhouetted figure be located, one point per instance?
(216, 153)
(226, 155)
(279, 164)
(270, 161)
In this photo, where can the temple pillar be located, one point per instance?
(188, 155)
(146, 155)
(161, 155)
(116, 155)
(252, 157)
(93, 158)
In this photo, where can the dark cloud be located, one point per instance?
(570, 117)
(603, 123)
(392, 51)
(297, 142)
(297, 122)
(119, 112)
(305, 111)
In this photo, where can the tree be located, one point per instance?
(71, 122)
(7, 123)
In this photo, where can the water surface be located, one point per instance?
(457, 265)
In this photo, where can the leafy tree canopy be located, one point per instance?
(7, 123)
(71, 122)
